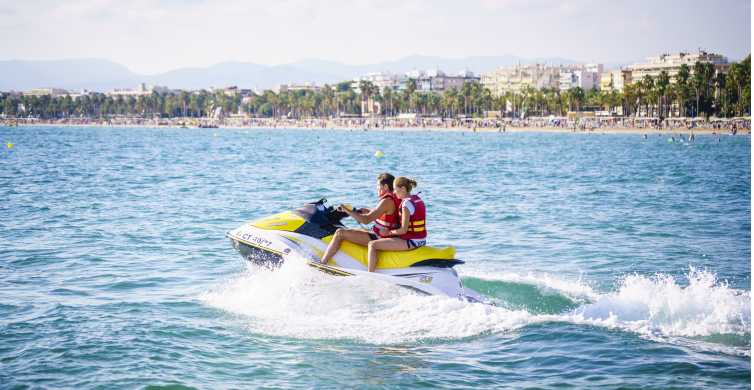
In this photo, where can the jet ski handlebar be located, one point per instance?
(331, 214)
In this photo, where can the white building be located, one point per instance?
(519, 77)
(383, 80)
(292, 87)
(435, 80)
(586, 77)
(52, 92)
(671, 63)
(141, 90)
(614, 80)
(579, 79)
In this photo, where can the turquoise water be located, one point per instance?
(613, 260)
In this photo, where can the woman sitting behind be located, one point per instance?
(385, 217)
(412, 232)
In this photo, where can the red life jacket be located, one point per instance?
(388, 221)
(417, 225)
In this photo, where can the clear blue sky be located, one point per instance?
(151, 36)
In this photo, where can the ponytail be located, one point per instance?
(408, 184)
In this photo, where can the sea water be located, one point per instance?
(612, 260)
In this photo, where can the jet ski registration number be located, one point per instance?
(256, 240)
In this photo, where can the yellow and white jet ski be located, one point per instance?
(303, 235)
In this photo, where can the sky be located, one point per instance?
(153, 36)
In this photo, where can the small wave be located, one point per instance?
(299, 302)
(522, 296)
(548, 285)
(660, 306)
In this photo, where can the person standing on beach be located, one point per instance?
(385, 217)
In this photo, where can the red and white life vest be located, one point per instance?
(388, 221)
(417, 224)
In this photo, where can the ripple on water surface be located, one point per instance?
(613, 261)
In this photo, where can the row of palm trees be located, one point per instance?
(98, 105)
(697, 91)
(694, 91)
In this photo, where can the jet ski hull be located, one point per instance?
(258, 256)
(270, 248)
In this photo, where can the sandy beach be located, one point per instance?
(335, 125)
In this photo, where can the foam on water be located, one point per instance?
(297, 301)
(300, 302)
(660, 305)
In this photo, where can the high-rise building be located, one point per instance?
(438, 81)
(383, 80)
(671, 63)
(519, 77)
(586, 77)
(433, 80)
(614, 80)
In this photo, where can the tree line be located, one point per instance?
(694, 91)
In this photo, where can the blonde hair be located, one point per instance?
(405, 182)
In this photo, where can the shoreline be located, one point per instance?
(429, 129)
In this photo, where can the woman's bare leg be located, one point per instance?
(355, 236)
(385, 244)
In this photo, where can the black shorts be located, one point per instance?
(372, 236)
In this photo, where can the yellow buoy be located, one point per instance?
(379, 154)
(9, 145)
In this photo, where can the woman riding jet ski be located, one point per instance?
(409, 234)
(386, 216)
(304, 234)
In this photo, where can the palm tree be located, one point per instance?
(738, 86)
(409, 92)
(367, 90)
(650, 96)
(576, 98)
(663, 81)
(682, 88)
(699, 82)
(632, 95)
(466, 93)
(387, 98)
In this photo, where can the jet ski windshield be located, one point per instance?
(321, 220)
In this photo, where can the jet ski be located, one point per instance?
(304, 233)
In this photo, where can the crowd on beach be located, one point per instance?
(584, 124)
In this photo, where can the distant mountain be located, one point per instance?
(104, 75)
(93, 74)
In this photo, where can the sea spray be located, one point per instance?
(300, 302)
(660, 305)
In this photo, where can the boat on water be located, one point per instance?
(303, 235)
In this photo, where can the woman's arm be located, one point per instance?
(382, 208)
(404, 223)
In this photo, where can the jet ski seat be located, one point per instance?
(426, 255)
